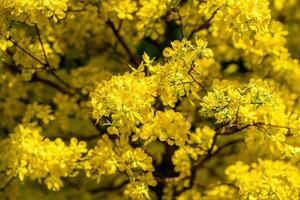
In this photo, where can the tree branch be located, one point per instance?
(54, 85)
(26, 52)
(205, 25)
(210, 155)
(234, 129)
(47, 64)
(192, 76)
(122, 42)
(7, 184)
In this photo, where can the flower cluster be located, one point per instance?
(252, 102)
(265, 180)
(166, 126)
(145, 15)
(108, 158)
(36, 111)
(212, 83)
(30, 11)
(125, 105)
(199, 143)
(26, 153)
(238, 19)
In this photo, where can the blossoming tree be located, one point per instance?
(157, 99)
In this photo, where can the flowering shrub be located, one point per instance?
(135, 99)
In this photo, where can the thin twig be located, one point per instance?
(205, 25)
(61, 80)
(54, 85)
(47, 65)
(191, 75)
(209, 156)
(26, 52)
(7, 184)
(229, 130)
(122, 42)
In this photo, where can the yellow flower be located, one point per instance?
(266, 180)
(27, 154)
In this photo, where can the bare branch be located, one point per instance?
(47, 65)
(54, 85)
(192, 76)
(7, 184)
(122, 42)
(205, 25)
(26, 52)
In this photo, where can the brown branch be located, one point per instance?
(205, 25)
(7, 184)
(231, 130)
(210, 155)
(52, 72)
(228, 131)
(214, 185)
(47, 64)
(36, 78)
(122, 42)
(224, 146)
(221, 132)
(235, 129)
(26, 52)
(191, 75)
